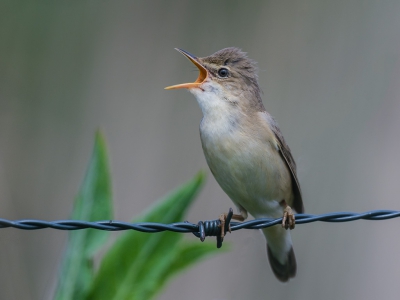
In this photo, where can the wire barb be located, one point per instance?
(202, 228)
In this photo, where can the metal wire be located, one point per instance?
(202, 228)
(111, 225)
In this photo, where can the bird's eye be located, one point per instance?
(223, 72)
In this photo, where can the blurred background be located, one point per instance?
(330, 72)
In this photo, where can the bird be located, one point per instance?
(245, 149)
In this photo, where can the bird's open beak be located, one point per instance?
(200, 79)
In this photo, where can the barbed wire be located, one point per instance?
(202, 228)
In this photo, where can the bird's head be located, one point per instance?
(228, 75)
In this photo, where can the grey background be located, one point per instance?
(330, 72)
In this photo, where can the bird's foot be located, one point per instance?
(288, 220)
(222, 219)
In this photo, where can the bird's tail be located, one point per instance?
(283, 271)
(280, 253)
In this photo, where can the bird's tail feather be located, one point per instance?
(283, 271)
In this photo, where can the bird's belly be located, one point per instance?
(251, 172)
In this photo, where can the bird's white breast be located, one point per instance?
(246, 165)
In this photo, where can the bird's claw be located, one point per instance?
(222, 219)
(288, 220)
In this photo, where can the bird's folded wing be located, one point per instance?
(288, 158)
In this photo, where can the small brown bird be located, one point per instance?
(245, 149)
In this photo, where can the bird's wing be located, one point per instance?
(288, 158)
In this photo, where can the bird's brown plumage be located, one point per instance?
(287, 156)
(244, 147)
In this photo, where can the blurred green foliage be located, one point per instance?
(93, 203)
(137, 265)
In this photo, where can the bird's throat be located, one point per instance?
(214, 102)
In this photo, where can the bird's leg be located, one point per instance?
(240, 217)
(288, 220)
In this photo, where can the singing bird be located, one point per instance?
(245, 150)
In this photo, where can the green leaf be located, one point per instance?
(93, 203)
(190, 253)
(138, 264)
(185, 255)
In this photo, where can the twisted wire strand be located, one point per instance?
(185, 227)
(202, 228)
